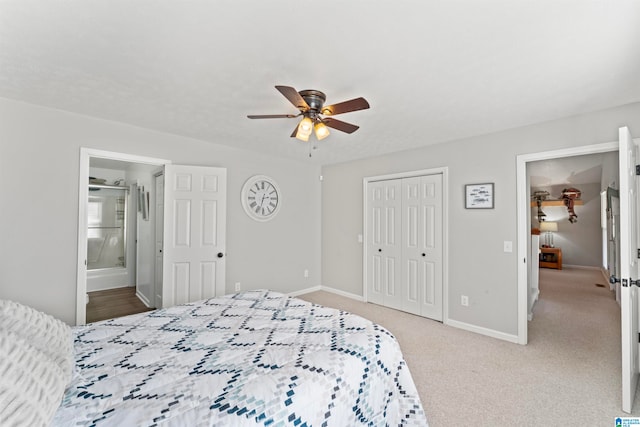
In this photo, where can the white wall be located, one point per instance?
(478, 267)
(39, 164)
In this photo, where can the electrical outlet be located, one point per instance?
(464, 300)
(306, 273)
(237, 286)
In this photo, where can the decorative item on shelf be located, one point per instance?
(479, 196)
(98, 181)
(570, 195)
(539, 197)
(549, 227)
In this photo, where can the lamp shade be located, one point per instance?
(548, 226)
(321, 131)
(304, 129)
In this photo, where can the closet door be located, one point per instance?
(384, 243)
(422, 246)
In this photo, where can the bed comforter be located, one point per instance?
(253, 358)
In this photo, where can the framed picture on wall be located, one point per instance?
(479, 196)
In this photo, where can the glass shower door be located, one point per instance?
(106, 246)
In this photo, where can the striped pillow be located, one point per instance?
(31, 383)
(36, 364)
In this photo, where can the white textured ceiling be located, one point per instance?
(433, 71)
(569, 171)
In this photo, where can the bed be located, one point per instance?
(252, 358)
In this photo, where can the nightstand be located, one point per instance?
(551, 258)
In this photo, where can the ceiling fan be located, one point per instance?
(311, 105)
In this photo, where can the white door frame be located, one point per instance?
(83, 197)
(524, 222)
(444, 171)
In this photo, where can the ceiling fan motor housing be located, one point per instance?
(314, 99)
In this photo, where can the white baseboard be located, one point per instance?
(342, 293)
(144, 300)
(483, 331)
(534, 299)
(605, 276)
(305, 291)
(327, 289)
(580, 267)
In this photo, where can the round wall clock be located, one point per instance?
(261, 198)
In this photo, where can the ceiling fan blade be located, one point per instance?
(273, 116)
(294, 97)
(340, 125)
(295, 131)
(345, 107)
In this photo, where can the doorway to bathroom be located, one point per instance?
(120, 222)
(190, 209)
(116, 239)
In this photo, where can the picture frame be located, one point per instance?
(479, 196)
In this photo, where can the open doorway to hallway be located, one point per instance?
(577, 232)
(528, 268)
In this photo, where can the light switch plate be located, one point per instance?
(508, 246)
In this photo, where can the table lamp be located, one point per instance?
(549, 227)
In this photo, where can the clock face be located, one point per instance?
(261, 198)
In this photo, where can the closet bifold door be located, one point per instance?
(422, 246)
(405, 244)
(384, 245)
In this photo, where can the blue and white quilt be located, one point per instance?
(253, 358)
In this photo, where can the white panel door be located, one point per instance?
(158, 237)
(422, 246)
(384, 243)
(628, 155)
(194, 233)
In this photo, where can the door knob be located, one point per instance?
(220, 254)
(613, 279)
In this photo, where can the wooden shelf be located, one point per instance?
(557, 203)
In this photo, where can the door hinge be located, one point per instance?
(638, 253)
(639, 337)
(637, 169)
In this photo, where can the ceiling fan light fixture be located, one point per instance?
(304, 129)
(305, 125)
(322, 131)
(302, 137)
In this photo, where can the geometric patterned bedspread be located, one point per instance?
(253, 358)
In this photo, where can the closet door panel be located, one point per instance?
(411, 245)
(384, 285)
(431, 246)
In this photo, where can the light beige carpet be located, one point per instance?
(568, 374)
